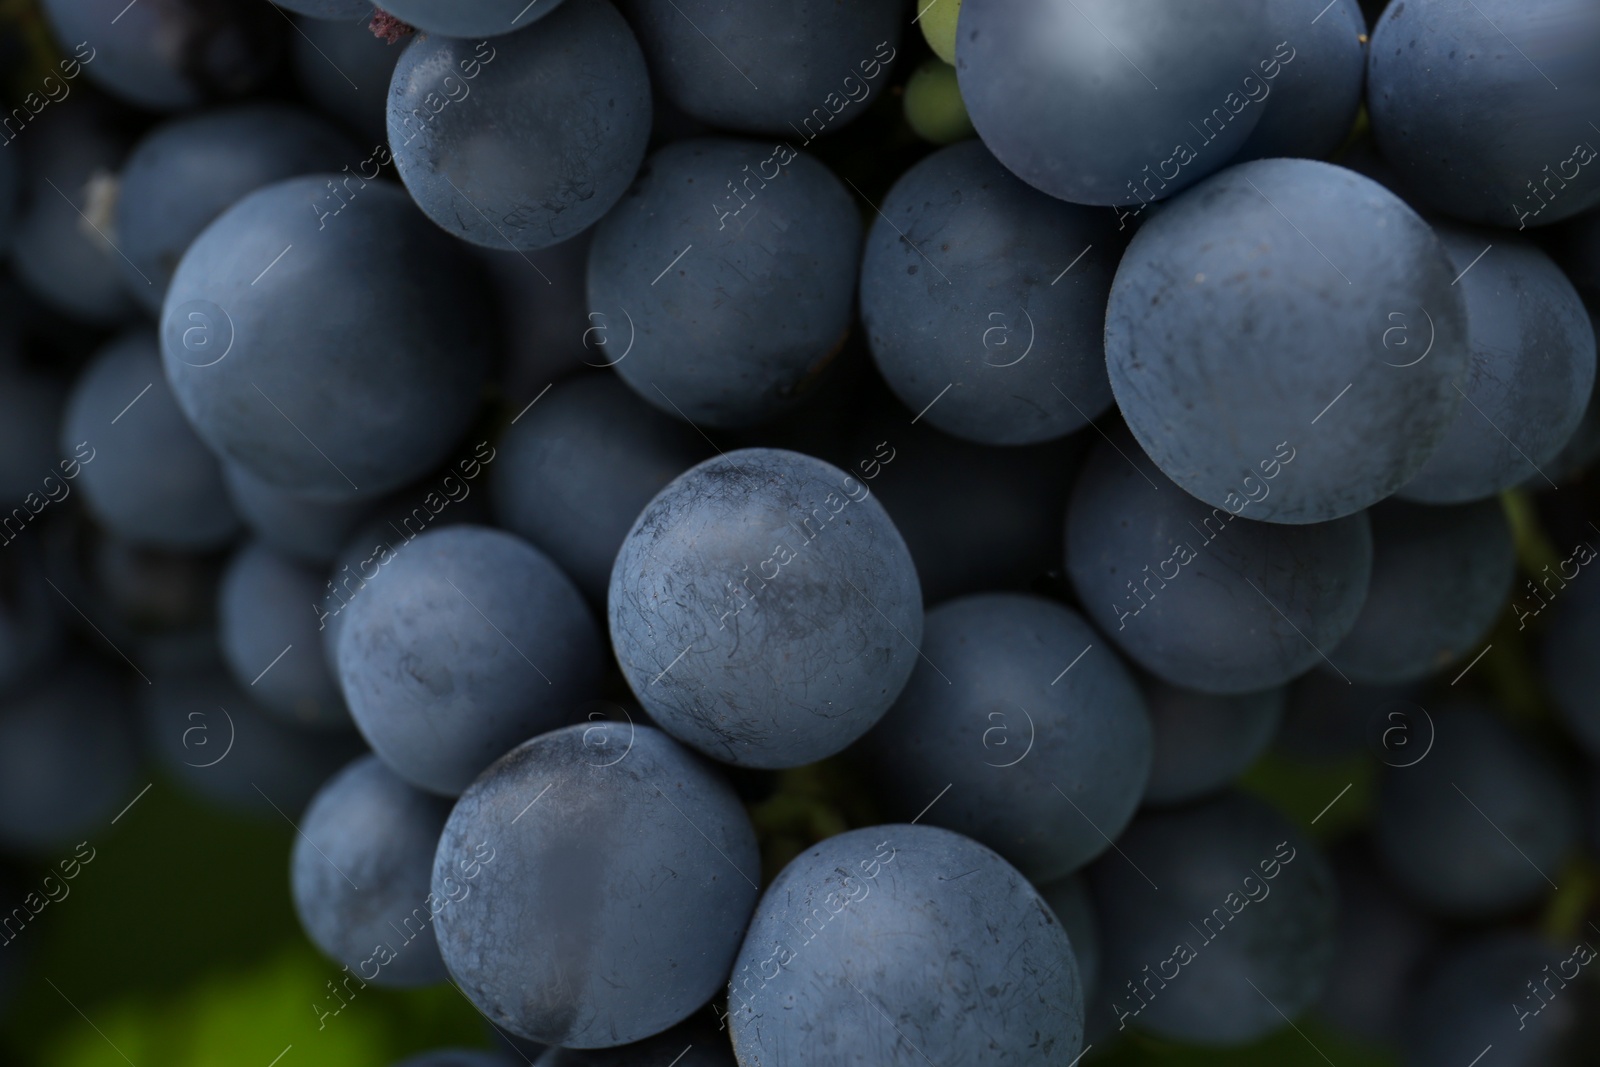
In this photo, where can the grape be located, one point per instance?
(578, 468)
(206, 733)
(809, 67)
(1202, 598)
(1570, 668)
(1007, 530)
(329, 9)
(346, 70)
(187, 171)
(1062, 92)
(31, 624)
(1229, 335)
(691, 1044)
(1329, 718)
(1037, 755)
(632, 877)
(308, 530)
(1382, 941)
(1530, 375)
(1069, 898)
(1201, 742)
(71, 151)
(1477, 128)
(389, 528)
(931, 925)
(933, 104)
(473, 642)
(1315, 100)
(31, 408)
(1226, 859)
(1440, 576)
(266, 627)
(331, 347)
(361, 873)
(758, 669)
(1470, 829)
(980, 313)
(556, 131)
(472, 18)
(548, 331)
(1505, 990)
(68, 757)
(143, 471)
(736, 283)
(170, 55)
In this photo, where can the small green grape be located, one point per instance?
(938, 21)
(934, 108)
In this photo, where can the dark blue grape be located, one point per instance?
(31, 409)
(1005, 532)
(1200, 742)
(696, 1043)
(150, 479)
(187, 171)
(1069, 898)
(953, 952)
(1044, 755)
(68, 756)
(1528, 999)
(631, 872)
(392, 525)
(526, 141)
(329, 9)
(765, 669)
(267, 628)
(1479, 104)
(1383, 940)
(985, 300)
(1440, 576)
(70, 152)
(1531, 371)
(205, 732)
(1474, 828)
(472, 18)
(361, 873)
(1112, 101)
(1315, 100)
(345, 69)
(473, 642)
(32, 626)
(1199, 596)
(169, 55)
(1252, 315)
(1265, 901)
(331, 347)
(809, 67)
(733, 262)
(579, 466)
(308, 530)
(549, 333)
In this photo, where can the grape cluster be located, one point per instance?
(832, 534)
